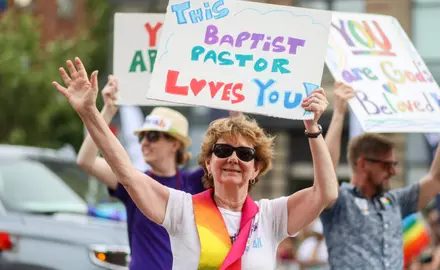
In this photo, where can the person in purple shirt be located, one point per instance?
(163, 138)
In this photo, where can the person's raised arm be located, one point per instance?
(430, 184)
(341, 94)
(88, 158)
(304, 206)
(150, 196)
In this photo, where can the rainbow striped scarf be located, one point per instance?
(415, 237)
(216, 250)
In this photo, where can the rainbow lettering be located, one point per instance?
(391, 104)
(367, 42)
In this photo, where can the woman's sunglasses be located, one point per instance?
(245, 154)
(153, 136)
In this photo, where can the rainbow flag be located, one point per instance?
(416, 237)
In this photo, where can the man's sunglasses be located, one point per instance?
(245, 154)
(387, 164)
(153, 136)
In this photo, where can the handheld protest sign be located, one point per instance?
(395, 92)
(240, 56)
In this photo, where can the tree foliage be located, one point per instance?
(32, 111)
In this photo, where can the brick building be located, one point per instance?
(59, 17)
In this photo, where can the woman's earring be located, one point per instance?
(252, 181)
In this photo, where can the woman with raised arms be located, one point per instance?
(221, 228)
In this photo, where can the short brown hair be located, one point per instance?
(232, 127)
(368, 145)
(182, 157)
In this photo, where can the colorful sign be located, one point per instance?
(136, 36)
(395, 92)
(240, 56)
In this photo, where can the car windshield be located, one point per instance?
(86, 186)
(28, 185)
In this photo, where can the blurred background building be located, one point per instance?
(61, 17)
(292, 166)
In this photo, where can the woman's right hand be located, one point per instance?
(109, 94)
(80, 92)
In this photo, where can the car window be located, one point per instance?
(27, 185)
(86, 186)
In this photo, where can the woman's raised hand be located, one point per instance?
(109, 94)
(80, 92)
(317, 103)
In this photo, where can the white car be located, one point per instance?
(44, 223)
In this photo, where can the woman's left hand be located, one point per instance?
(317, 103)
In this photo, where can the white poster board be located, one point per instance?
(240, 56)
(136, 36)
(395, 92)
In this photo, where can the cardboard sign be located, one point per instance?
(395, 92)
(136, 36)
(240, 56)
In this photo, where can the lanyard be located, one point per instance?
(253, 228)
(178, 180)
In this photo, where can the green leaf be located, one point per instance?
(33, 112)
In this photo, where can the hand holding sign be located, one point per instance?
(316, 103)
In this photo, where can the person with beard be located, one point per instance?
(363, 227)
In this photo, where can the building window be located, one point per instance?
(65, 9)
(357, 6)
(315, 4)
(335, 5)
(425, 23)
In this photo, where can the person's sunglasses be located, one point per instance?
(387, 164)
(153, 136)
(245, 154)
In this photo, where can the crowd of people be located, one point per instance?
(206, 219)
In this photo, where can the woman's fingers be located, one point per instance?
(61, 89)
(72, 70)
(80, 67)
(66, 79)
